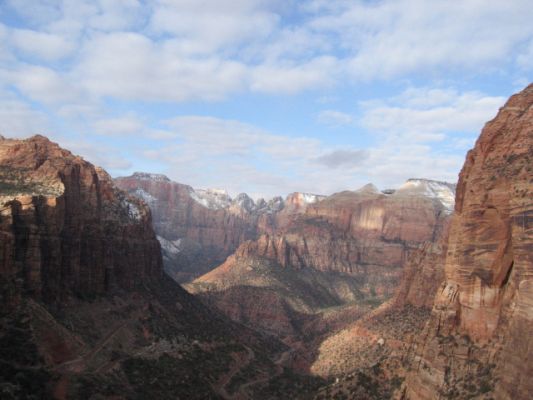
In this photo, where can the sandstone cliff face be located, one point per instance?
(478, 339)
(65, 228)
(194, 237)
(198, 229)
(86, 310)
(363, 233)
(346, 249)
(423, 274)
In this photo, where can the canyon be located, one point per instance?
(346, 250)
(86, 308)
(423, 292)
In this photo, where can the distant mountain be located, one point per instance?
(339, 254)
(198, 229)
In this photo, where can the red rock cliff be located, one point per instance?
(480, 329)
(65, 229)
(363, 233)
(195, 237)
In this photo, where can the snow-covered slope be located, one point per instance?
(441, 191)
(214, 199)
(217, 199)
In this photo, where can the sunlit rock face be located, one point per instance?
(195, 228)
(487, 295)
(198, 229)
(65, 228)
(349, 247)
(86, 308)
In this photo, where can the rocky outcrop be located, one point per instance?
(423, 274)
(66, 230)
(477, 341)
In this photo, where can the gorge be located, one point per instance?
(141, 287)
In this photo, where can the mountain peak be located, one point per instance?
(368, 188)
(442, 191)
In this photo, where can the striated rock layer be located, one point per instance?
(86, 310)
(198, 229)
(194, 236)
(348, 248)
(64, 227)
(478, 341)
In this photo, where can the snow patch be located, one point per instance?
(170, 246)
(309, 198)
(214, 199)
(143, 194)
(133, 210)
(442, 191)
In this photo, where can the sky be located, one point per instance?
(264, 97)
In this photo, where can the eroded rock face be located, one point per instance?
(86, 310)
(423, 274)
(197, 229)
(347, 248)
(66, 229)
(487, 296)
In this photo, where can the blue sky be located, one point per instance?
(266, 97)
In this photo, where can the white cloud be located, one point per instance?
(41, 45)
(316, 73)
(19, 119)
(43, 84)
(106, 157)
(525, 58)
(181, 50)
(210, 25)
(423, 114)
(120, 126)
(391, 38)
(334, 118)
(131, 66)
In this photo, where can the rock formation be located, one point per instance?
(348, 248)
(477, 341)
(66, 229)
(198, 229)
(86, 310)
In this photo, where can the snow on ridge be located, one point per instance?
(214, 199)
(132, 209)
(442, 191)
(143, 194)
(310, 198)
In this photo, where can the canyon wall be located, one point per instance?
(87, 311)
(196, 233)
(65, 229)
(477, 341)
(345, 249)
